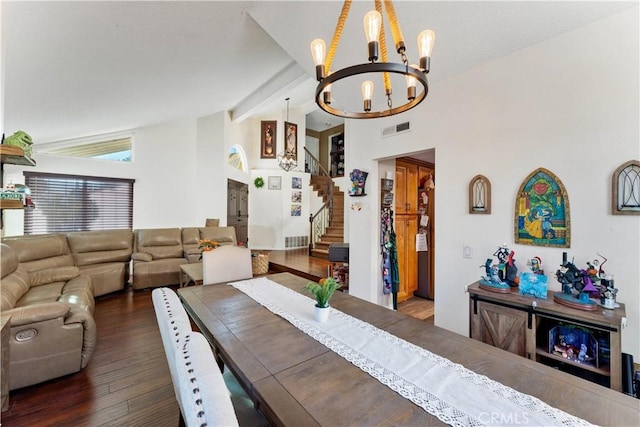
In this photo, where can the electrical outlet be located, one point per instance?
(467, 251)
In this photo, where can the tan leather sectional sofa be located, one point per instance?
(159, 252)
(52, 329)
(49, 283)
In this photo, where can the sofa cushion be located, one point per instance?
(157, 273)
(141, 256)
(51, 275)
(13, 288)
(95, 247)
(38, 313)
(37, 252)
(222, 235)
(41, 294)
(78, 293)
(191, 243)
(190, 236)
(9, 260)
(160, 243)
(106, 277)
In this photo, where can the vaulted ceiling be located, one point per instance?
(74, 69)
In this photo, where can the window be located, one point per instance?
(116, 148)
(66, 203)
(237, 158)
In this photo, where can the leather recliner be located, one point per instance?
(52, 330)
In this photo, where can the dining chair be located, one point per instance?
(225, 264)
(173, 322)
(203, 395)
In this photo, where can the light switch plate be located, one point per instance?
(467, 251)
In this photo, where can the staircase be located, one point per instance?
(335, 231)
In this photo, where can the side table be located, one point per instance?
(5, 327)
(190, 273)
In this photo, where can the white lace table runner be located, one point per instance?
(449, 391)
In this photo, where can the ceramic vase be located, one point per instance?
(321, 313)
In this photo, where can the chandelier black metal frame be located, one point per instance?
(374, 31)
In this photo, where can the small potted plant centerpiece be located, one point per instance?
(322, 291)
(207, 245)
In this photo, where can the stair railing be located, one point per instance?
(313, 166)
(321, 220)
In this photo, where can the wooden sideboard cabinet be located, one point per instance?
(546, 332)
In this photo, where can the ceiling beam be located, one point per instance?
(274, 90)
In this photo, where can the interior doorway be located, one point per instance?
(238, 210)
(415, 214)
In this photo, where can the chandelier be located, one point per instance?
(374, 32)
(288, 159)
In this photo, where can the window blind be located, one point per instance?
(66, 203)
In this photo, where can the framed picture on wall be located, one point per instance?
(268, 139)
(275, 182)
(542, 211)
(291, 139)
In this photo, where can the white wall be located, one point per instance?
(270, 210)
(178, 169)
(313, 145)
(569, 104)
(210, 168)
(270, 219)
(161, 166)
(165, 192)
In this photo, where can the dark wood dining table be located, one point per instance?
(296, 381)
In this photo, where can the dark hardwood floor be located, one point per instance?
(127, 381)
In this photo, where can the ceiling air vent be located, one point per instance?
(396, 129)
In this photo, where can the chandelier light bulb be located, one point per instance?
(367, 93)
(412, 82)
(367, 90)
(425, 47)
(372, 23)
(318, 52)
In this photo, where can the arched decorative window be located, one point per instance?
(237, 158)
(479, 195)
(625, 190)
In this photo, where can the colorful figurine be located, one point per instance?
(536, 265)
(507, 269)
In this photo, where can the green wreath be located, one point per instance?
(258, 182)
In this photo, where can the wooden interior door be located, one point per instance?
(238, 210)
(407, 217)
(406, 227)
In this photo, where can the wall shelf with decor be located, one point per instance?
(550, 333)
(14, 156)
(337, 155)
